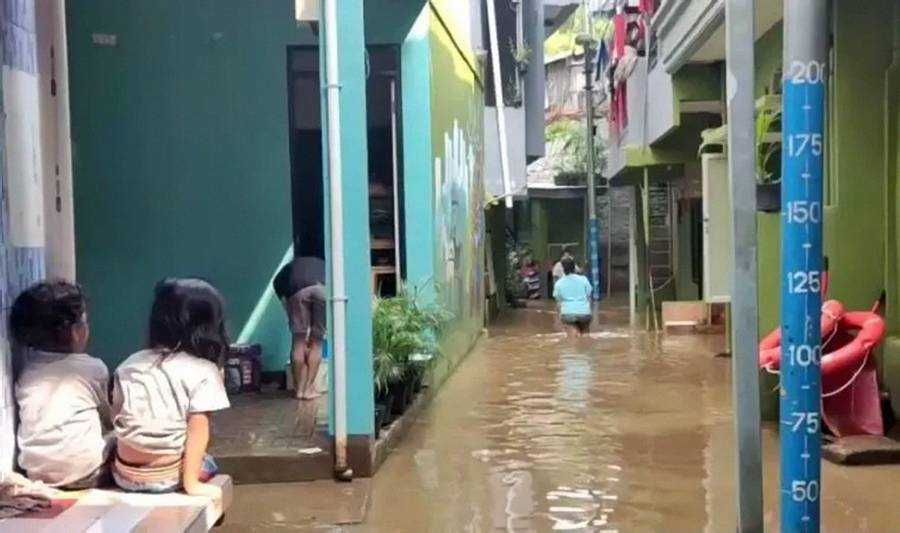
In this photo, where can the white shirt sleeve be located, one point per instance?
(208, 391)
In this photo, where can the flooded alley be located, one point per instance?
(621, 431)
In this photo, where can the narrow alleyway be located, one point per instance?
(617, 432)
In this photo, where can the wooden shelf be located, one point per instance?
(382, 244)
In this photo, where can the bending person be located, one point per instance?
(300, 285)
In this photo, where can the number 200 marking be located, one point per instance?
(812, 72)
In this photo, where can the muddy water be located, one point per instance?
(621, 431)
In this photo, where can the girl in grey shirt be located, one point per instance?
(61, 392)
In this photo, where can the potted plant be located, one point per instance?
(404, 339)
(768, 159)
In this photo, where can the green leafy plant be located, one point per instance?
(570, 150)
(767, 146)
(522, 56)
(405, 336)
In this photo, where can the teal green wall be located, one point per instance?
(418, 167)
(180, 157)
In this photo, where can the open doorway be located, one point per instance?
(385, 161)
(385, 169)
(307, 185)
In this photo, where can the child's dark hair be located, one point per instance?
(568, 265)
(188, 315)
(42, 317)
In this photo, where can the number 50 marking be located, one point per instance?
(802, 491)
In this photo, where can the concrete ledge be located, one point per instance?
(862, 450)
(115, 510)
(397, 430)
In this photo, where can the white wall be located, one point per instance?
(515, 131)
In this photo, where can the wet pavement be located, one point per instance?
(621, 431)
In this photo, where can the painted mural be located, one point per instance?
(457, 104)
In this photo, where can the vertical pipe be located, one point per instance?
(632, 258)
(739, 42)
(338, 295)
(396, 174)
(593, 227)
(499, 102)
(805, 59)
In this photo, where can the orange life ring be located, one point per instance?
(770, 346)
(847, 358)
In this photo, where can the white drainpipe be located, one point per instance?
(501, 105)
(339, 297)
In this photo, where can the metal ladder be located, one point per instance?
(660, 250)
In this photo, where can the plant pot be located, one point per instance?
(384, 400)
(398, 394)
(381, 415)
(409, 389)
(768, 197)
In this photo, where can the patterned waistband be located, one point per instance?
(148, 473)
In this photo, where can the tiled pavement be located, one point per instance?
(271, 422)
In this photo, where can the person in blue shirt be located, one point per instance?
(573, 295)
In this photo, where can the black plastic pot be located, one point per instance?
(768, 197)
(385, 401)
(398, 391)
(381, 415)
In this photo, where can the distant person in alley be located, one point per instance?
(300, 285)
(573, 295)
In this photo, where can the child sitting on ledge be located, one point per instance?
(61, 391)
(163, 396)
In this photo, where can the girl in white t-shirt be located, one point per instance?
(163, 396)
(62, 393)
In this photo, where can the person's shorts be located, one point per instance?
(582, 322)
(307, 314)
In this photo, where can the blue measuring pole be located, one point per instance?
(802, 263)
(595, 256)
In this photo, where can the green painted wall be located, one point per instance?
(538, 230)
(457, 133)
(495, 225)
(891, 361)
(180, 156)
(566, 224)
(857, 154)
(685, 287)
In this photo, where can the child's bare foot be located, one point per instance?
(311, 395)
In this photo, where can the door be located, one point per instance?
(717, 234)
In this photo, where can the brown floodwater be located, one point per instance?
(619, 431)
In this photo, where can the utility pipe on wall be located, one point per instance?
(338, 291)
(499, 102)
